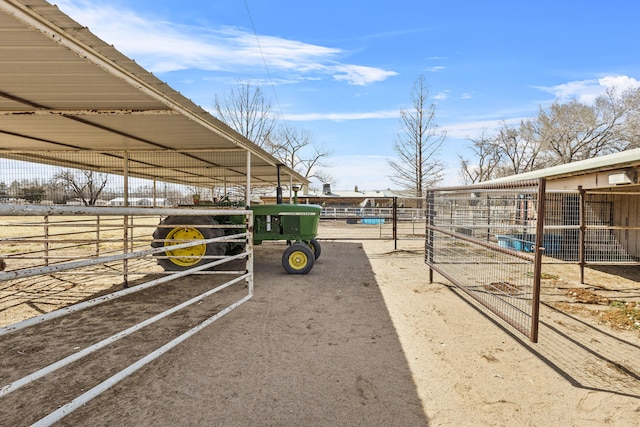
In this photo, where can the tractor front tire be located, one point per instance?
(187, 228)
(298, 259)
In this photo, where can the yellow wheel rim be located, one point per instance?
(185, 257)
(298, 260)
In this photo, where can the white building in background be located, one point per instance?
(138, 201)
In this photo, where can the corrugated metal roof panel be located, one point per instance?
(62, 88)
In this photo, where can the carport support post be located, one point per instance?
(155, 183)
(278, 188)
(248, 190)
(125, 219)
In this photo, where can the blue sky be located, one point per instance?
(342, 69)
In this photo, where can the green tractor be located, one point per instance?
(296, 224)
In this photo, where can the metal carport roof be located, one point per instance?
(64, 91)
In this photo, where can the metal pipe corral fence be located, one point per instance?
(47, 249)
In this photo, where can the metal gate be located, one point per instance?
(488, 240)
(394, 221)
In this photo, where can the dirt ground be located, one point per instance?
(364, 339)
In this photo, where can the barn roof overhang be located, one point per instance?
(589, 173)
(63, 91)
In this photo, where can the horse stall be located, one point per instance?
(499, 240)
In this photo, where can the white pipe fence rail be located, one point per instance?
(356, 223)
(17, 247)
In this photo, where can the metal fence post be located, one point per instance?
(395, 223)
(583, 234)
(429, 249)
(537, 269)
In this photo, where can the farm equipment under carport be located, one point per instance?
(296, 224)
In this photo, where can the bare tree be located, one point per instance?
(488, 157)
(418, 166)
(248, 112)
(518, 148)
(85, 185)
(296, 149)
(631, 131)
(576, 131)
(561, 134)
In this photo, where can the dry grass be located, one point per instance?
(625, 316)
(586, 296)
(618, 315)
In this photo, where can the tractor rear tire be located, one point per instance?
(298, 259)
(187, 229)
(315, 247)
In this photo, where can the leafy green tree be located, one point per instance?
(4, 191)
(33, 193)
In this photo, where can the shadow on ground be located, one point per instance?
(318, 349)
(587, 356)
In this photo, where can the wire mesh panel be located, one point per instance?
(487, 240)
(52, 257)
(562, 226)
(592, 227)
(611, 227)
(123, 178)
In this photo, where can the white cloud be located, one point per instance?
(359, 75)
(586, 91)
(441, 95)
(162, 46)
(435, 69)
(474, 129)
(388, 114)
(620, 83)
